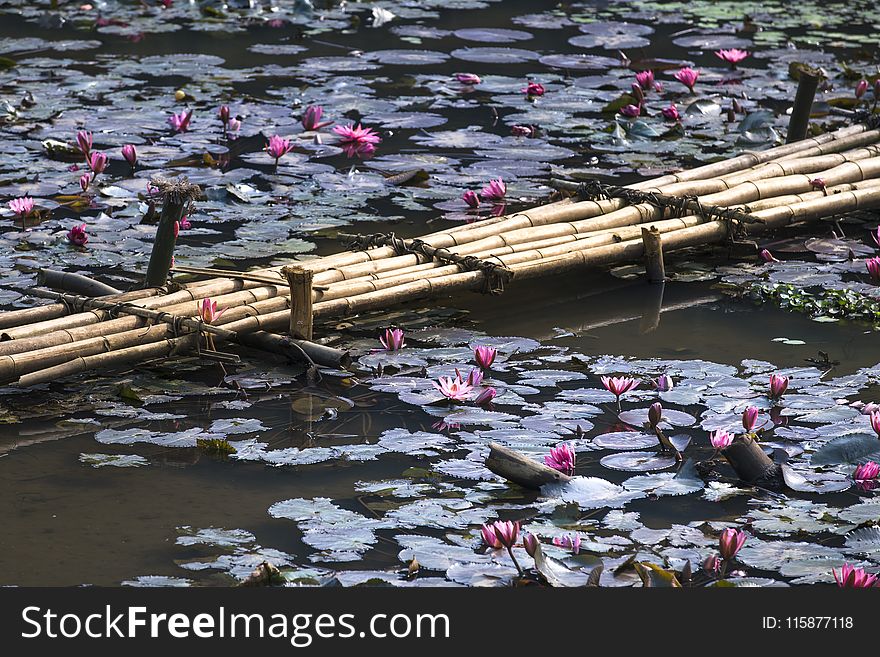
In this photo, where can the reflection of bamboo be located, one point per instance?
(651, 316)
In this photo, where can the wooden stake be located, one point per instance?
(301, 316)
(654, 265)
(177, 197)
(803, 104)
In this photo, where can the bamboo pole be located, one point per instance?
(176, 197)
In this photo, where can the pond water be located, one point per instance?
(102, 480)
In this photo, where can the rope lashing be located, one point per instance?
(676, 206)
(495, 274)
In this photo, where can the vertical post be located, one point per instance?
(176, 199)
(654, 265)
(301, 317)
(803, 104)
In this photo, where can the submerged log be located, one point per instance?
(520, 469)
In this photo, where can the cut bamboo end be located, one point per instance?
(301, 316)
(654, 265)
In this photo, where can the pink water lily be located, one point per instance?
(861, 88)
(778, 385)
(224, 114)
(453, 388)
(750, 418)
(180, 122)
(208, 311)
(570, 542)
(766, 256)
(356, 133)
(507, 532)
(22, 206)
(851, 577)
(311, 118)
(468, 78)
(486, 396)
(522, 130)
(485, 356)
(278, 147)
(392, 340)
(84, 141)
(562, 458)
(77, 235)
(184, 223)
(663, 383)
(645, 79)
(875, 422)
(234, 125)
(97, 162)
(688, 77)
(530, 543)
(470, 197)
(619, 385)
(631, 111)
(873, 265)
(474, 377)
(671, 113)
(533, 89)
(730, 542)
(655, 414)
(494, 191)
(129, 152)
(875, 235)
(84, 181)
(866, 471)
(720, 439)
(732, 56)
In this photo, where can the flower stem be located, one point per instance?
(515, 562)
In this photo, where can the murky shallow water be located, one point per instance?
(187, 516)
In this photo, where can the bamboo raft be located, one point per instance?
(807, 180)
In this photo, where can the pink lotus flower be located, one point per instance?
(655, 414)
(562, 458)
(533, 89)
(486, 396)
(84, 181)
(278, 147)
(875, 422)
(720, 439)
(22, 206)
(77, 235)
(645, 79)
(522, 130)
(619, 385)
(234, 125)
(468, 78)
(84, 140)
(494, 191)
(184, 223)
(712, 564)
(663, 383)
(130, 154)
(453, 389)
(208, 311)
(688, 77)
(392, 340)
(507, 532)
(866, 471)
(631, 111)
(873, 265)
(224, 114)
(570, 542)
(730, 542)
(530, 543)
(733, 56)
(470, 197)
(180, 122)
(474, 377)
(356, 133)
(490, 538)
(766, 256)
(851, 577)
(819, 185)
(778, 385)
(861, 88)
(97, 162)
(311, 118)
(485, 356)
(671, 113)
(749, 418)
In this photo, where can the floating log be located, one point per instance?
(749, 461)
(75, 283)
(520, 469)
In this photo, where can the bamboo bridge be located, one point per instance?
(596, 224)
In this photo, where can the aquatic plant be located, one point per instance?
(778, 386)
(730, 542)
(766, 256)
(485, 356)
(180, 122)
(852, 577)
(733, 56)
(22, 206)
(453, 389)
(129, 152)
(720, 439)
(663, 383)
(562, 458)
(655, 414)
(468, 78)
(631, 111)
(208, 311)
(688, 77)
(569, 542)
(471, 198)
(533, 90)
(875, 422)
(97, 162)
(311, 118)
(866, 471)
(84, 141)
(619, 385)
(278, 147)
(671, 113)
(645, 79)
(392, 339)
(84, 181)
(873, 266)
(749, 418)
(486, 396)
(522, 130)
(77, 235)
(861, 88)
(494, 191)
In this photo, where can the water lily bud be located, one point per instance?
(655, 414)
